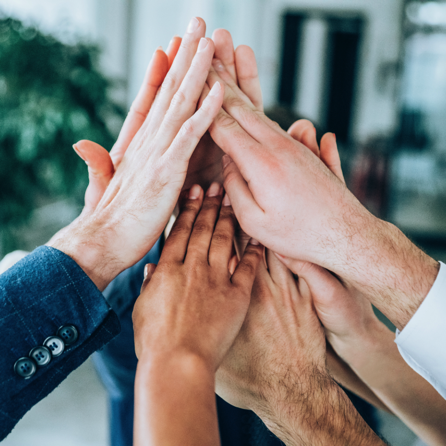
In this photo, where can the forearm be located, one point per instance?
(175, 402)
(320, 415)
(381, 262)
(343, 374)
(377, 362)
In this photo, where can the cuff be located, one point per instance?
(421, 343)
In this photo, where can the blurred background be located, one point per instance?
(374, 73)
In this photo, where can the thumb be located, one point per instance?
(304, 132)
(149, 270)
(100, 171)
(330, 155)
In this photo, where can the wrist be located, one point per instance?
(85, 244)
(357, 348)
(389, 269)
(184, 364)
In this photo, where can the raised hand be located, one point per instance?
(277, 366)
(102, 164)
(188, 314)
(145, 188)
(284, 196)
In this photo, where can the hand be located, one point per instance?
(205, 163)
(277, 366)
(145, 188)
(102, 164)
(345, 314)
(284, 196)
(281, 344)
(191, 304)
(186, 318)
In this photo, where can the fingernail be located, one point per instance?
(203, 44)
(214, 190)
(193, 25)
(226, 201)
(159, 48)
(226, 161)
(146, 271)
(253, 241)
(218, 65)
(215, 90)
(194, 192)
(78, 152)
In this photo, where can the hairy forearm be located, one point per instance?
(377, 362)
(319, 414)
(380, 261)
(175, 402)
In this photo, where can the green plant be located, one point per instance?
(51, 95)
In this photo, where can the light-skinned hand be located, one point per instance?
(288, 199)
(144, 190)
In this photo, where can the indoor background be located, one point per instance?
(374, 73)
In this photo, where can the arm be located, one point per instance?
(343, 374)
(277, 367)
(371, 365)
(39, 295)
(122, 227)
(323, 222)
(185, 320)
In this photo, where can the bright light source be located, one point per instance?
(430, 13)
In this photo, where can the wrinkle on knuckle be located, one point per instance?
(178, 100)
(225, 122)
(188, 128)
(202, 228)
(222, 238)
(169, 84)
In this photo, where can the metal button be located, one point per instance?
(68, 333)
(55, 345)
(41, 355)
(25, 367)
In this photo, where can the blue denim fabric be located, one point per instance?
(45, 290)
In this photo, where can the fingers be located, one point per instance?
(239, 107)
(203, 230)
(195, 127)
(100, 171)
(224, 50)
(180, 67)
(247, 74)
(245, 272)
(304, 132)
(222, 244)
(320, 281)
(242, 201)
(330, 155)
(140, 108)
(184, 102)
(279, 273)
(149, 269)
(172, 49)
(176, 244)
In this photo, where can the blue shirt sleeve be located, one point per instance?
(38, 295)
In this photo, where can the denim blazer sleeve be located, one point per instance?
(38, 295)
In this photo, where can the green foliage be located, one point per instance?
(51, 96)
